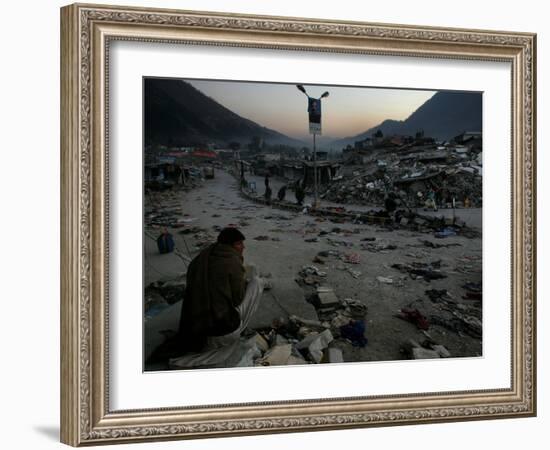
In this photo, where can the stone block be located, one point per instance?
(327, 297)
(316, 347)
(333, 355)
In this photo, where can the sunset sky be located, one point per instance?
(346, 112)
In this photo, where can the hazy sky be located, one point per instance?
(346, 112)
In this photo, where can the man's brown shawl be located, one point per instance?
(215, 287)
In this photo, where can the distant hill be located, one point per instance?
(444, 116)
(177, 114)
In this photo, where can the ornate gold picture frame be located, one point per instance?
(87, 415)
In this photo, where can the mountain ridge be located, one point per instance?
(445, 115)
(178, 114)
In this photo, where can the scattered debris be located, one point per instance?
(460, 323)
(261, 238)
(436, 295)
(315, 239)
(351, 258)
(426, 271)
(378, 246)
(318, 260)
(445, 232)
(474, 291)
(414, 316)
(385, 280)
(354, 331)
(436, 245)
(337, 243)
(354, 273)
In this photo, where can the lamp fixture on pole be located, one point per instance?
(314, 110)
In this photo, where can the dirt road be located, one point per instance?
(357, 260)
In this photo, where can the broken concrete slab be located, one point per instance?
(318, 345)
(385, 280)
(333, 355)
(307, 340)
(276, 356)
(442, 351)
(326, 297)
(424, 353)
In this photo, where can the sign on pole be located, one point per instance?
(314, 110)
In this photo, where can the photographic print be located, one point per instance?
(250, 200)
(297, 224)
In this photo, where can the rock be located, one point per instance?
(385, 280)
(442, 351)
(424, 353)
(408, 346)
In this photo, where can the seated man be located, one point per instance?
(218, 302)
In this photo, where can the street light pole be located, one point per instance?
(315, 118)
(315, 196)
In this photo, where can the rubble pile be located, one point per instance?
(426, 271)
(455, 316)
(297, 340)
(305, 341)
(411, 173)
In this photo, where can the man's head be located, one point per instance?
(233, 237)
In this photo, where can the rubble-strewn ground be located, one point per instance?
(416, 295)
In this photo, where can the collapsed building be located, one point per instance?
(451, 174)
